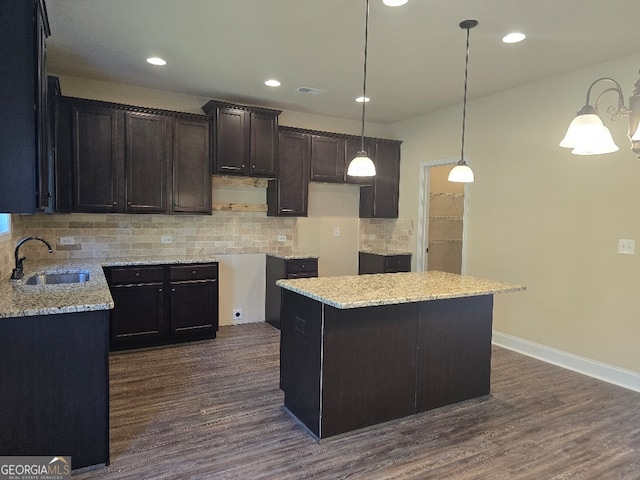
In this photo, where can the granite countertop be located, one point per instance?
(385, 252)
(392, 288)
(20, 300)
(291, 256)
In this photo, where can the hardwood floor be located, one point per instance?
(213, 410)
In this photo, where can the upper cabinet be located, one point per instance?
(380, 198)
(116, 158)
(327, 158)
(25, 27)
(245, 138)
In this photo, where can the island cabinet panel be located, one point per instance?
(300, 358)
(55, 387)
(454, 350)
(369, 366)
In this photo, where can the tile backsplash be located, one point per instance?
(386, 234)
(121, 235)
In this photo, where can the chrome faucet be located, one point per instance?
(17, 273)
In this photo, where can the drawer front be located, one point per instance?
(398, 263)
(125, 275)
(302, 265)
(205, 271)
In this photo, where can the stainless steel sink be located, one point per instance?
(56, 278)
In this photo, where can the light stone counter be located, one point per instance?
(291, 256)
(385, 252)
(393, 288)
(20, 300)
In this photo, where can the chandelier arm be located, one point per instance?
(614, 111)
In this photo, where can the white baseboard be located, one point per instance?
(601, 371)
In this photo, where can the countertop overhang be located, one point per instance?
(358, 291)
(20, 300)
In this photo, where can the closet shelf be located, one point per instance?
(451, 240)
(444, 194)
(445, 217)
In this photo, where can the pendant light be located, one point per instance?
(461, 173)
(362, 165)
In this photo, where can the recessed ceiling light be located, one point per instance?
(156, 61)
(394, 3)
(514, 37)
(362, 99)
(272, 83)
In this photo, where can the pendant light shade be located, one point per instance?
(362, 165)
(587, 135)
(462, 173)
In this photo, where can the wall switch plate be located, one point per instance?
(67, 241)
(336, 231)
(626, 246)
(166, 239)
(282, 238)
(237, 314)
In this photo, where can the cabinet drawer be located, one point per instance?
(397, 263)
(302, 265)
(124, 275)
(193, 272)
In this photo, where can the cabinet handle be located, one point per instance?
(243, 165)
(159, 290)
(193, 272)
(173, 289)
(137, 274)
(287, 210)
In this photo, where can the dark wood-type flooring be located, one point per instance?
(213, 410)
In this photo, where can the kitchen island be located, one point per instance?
(361, 350)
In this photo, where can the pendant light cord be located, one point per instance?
(364, 76)
(464, 101)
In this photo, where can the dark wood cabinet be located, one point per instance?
(191, 166)
(25, 27)
(369, 262)
(46, 171)
(327, 159)
(115, 158)
(146, 162)
(380, 199)
(193, 300)
(55, 380)
(288, 195)
(162, 304)
(286, 267)
(246, 139)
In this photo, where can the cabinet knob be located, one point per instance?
(137, 274)
(193, 272)
(242, 165)
(173, 289)
(159, 290)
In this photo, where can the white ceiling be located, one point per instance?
(226, 49)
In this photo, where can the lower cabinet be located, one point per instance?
(162, 304)
(370, 262)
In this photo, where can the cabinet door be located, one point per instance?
(264, 141)
(232, 144)
(147, 162)
(191, 166)
(24, 28)
(194, 308)
(327, 159)
(289, 194)
(96, 160)
(138, 313)
(380, 200)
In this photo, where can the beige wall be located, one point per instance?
(542, 217)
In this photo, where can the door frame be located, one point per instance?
(423, 213)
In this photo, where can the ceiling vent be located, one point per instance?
(310, 91)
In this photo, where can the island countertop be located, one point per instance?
(20, 300)
(392, 288)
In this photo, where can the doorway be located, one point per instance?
(442, 212)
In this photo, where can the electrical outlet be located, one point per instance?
(166, 239)
(237, 314)
(282, 238)
(67, 241)
(336, 231)
(626, 246)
